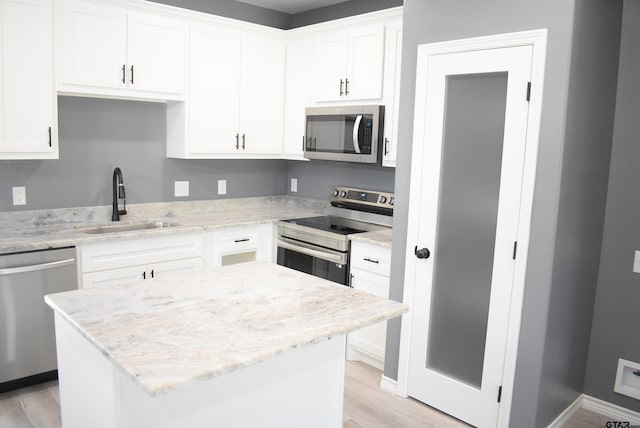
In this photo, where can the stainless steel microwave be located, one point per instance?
(344, 133)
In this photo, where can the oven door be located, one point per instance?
(314, 260)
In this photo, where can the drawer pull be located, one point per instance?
(243, 240)
(367, 259)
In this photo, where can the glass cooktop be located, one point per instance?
(333, 224)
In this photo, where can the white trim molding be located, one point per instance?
(389, 385)
(604, 408)
(538, 40)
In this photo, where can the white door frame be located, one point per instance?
(538, 40)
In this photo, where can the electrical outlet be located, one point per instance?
(222, 187)
(19, 195)
(636, 261)
(181, 188)
(294, 185)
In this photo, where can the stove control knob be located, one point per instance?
(391, 201)
(383, 199)
(343, 194)
(336, 192)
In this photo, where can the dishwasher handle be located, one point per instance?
(34, 268)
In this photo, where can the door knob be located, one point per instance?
(422, 253)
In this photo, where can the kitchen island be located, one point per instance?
(253, 344)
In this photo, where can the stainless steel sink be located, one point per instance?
(126, 227)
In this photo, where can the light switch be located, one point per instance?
(19, 195)
(294, 185)
(181, 188)
(636, 262)
(222, 187)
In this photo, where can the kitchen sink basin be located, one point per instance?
(126, 227)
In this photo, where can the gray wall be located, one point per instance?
(616, 316)
(316, 178)
(97, 135)
(558, 219)
(341, 10)
(235, 10)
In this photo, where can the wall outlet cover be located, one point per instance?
(19, 195)
(628, 379)
(181, 188)
(222, 187)
(294, 185)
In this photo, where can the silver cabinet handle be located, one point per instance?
(132, 74)
(386, 146)
(243, 141)
(341, 83)
(237, 141)
(34, 268)
(346, 87)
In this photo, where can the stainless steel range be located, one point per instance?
(320, 245)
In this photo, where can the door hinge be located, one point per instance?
(528, 91)
(499, 393)
(515, 249)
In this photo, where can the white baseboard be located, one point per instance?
(389, 384)
(615, 412)
(562, 419)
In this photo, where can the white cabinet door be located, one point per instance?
(109, 51)
(330, 66)
(93, 45)
(156, 53)
(159, 270)
(366, 63)
(113, 277)
(262, 94)
(393, 62)
(213, 97)
(368, 344)
(349, 65)
(28, 103)
(296, 99)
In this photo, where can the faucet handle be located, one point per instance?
(121, 191)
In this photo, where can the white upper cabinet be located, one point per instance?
(235, 102)
(349, 64)
(262, 94)
(28, 103)
(393, 62)
(111, 51)
(297, 96)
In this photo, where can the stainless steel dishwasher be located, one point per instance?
(27, 339)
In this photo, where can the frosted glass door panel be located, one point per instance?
(474, 119)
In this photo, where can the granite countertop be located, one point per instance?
(380, 237)
(164, 336)
(43, 229)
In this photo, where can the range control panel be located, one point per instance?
(362, 200)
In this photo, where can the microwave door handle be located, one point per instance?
(356, 132)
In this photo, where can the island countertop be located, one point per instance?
(178, 330)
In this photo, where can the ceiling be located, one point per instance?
(292, 6)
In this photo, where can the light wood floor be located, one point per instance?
(365, 406)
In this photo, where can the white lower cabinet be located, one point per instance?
(240, 244)
(370, 271)
(125, 261)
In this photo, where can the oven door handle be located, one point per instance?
(313, 251)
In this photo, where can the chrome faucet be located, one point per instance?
(118, 193)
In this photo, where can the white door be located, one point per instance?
(474, 127)
(330, 67)
(296, 98)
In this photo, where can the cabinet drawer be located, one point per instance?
(237, 238)
(124, 253)
(371, 258)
